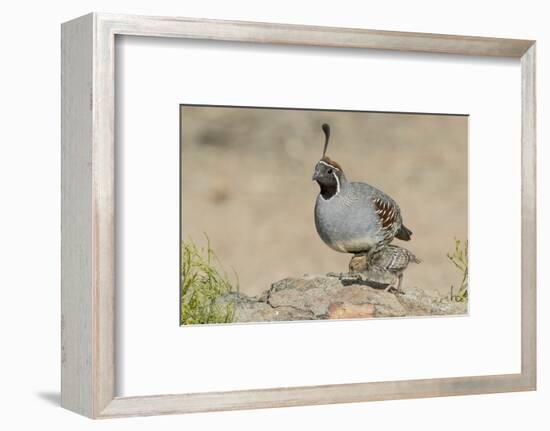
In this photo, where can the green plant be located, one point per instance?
(203, 280)
(459, 258)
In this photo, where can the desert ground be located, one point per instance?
(246, 184)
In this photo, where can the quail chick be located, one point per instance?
(390, 260)
(353, 217)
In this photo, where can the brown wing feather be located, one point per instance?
(387, 213)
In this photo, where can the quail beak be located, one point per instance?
(316, 175)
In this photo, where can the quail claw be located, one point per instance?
(394, 289)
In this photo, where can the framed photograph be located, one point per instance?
(265, 215)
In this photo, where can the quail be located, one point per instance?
(390, 261)
(353, 217)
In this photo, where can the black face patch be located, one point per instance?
(327, 176)
(328, 190)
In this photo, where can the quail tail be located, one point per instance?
(404, 233)
(414, 259)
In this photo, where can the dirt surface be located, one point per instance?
(246, 183)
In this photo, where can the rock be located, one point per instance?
(314, 297)
(317, 293)
(340, 310)
(252, 309)
(358, 263)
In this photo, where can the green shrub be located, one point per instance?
(202, 282)
(459, 258)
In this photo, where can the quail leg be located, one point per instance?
(400, 276)
(395, 285)
(369, 255)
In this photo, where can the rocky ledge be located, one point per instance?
(316, 297)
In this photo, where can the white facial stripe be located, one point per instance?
(337, 183)
(329, 165)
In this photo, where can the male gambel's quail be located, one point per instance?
(353, 217)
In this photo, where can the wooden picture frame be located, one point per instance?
(88, 215)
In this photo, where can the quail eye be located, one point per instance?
(329, 172)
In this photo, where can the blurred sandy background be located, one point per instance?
(246, 182)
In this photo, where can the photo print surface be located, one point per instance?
(295, 214)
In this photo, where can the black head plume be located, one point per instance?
(326, 131)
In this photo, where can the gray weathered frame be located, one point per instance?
(88, 217)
